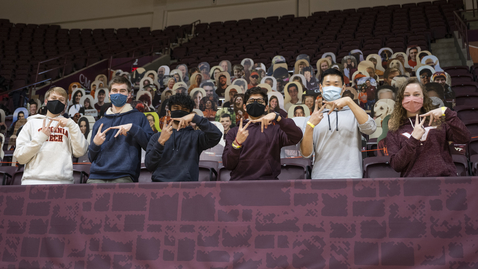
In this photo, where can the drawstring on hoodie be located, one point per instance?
(336, 121)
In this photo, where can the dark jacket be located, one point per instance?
(120, 156)
(430, 157)
(259, 156)
(178, 159)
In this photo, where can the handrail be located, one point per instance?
(194, 26)
(463, 33)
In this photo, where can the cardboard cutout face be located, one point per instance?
(424, 73)
(297, 78)
(231, 91)
(145, 81)
(241, 83)
(103, 79)
(184, 72)
(102, 96)
(278, 59)
(293, 93)
(169, 82)
(395, 63)
(297, 111)
(383, 108)
(367, 68)
(377, 61)
(282, 76)
(177, 75)
(358, 54)
(367, 81)
(412, 52)
(145, 97)
(398, 81)
(419, 58)
(88, 102)
(330, 56)
(353, 91)
(196, 80)
(271, 81)
(322, 65)
(350, 65)
(215, 70)
(153, 119)
(209, 87)
(180, 87)
(163, 70)
(152, 75)
(18, 110)
(385, 53)
(224, 80)
(278, 96)
(432, 61)
(204, 68)
(197, 94)
(226, 66)
(248, 63)
(299, 66)
(402, 57)
(165, 95)
(73, 86)
(76, 96)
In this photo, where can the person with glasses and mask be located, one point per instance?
(425, 76)
(254, 79)
(252, 150)
(173, 154)
(333, 132)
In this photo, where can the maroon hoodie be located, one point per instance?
(259, 156)
(429, 156)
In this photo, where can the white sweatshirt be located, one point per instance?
(337, 143)
(48, 159)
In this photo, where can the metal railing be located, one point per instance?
(462, 29)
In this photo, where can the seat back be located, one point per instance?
(379, 167)
(291, 171)
(474, 164)
(224, 174)
(461, 164)
(208, 170)
(144, 175)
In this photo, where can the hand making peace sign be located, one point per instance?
(317, 116)
(100, 136)
(166, 133)
(242, 133)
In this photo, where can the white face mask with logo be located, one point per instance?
(331, 93)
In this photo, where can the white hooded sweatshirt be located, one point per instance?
(48, 160)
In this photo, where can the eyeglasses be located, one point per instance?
(256, 77)
(259, 100)
(424, 76)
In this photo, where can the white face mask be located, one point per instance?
(331, 93)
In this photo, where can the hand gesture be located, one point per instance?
(339, 103)
(265, 121)
(184, 121)
(166, 133)
(46, 128)
(242, 133)
(122, 129)
(418, 130)
(62, 122)
(317, 116)
(100, 136)
(434, 115)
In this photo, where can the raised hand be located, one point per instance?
(265, 121)
(46, 128)
(242, 133)
(166, 133)
(184, 121)
(62, 122)
(100, 136)
(418, 130)
(339, 103)
(434, 115)
(122, 129)
(317, 115)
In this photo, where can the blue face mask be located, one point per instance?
(118, 99)
(331, 93)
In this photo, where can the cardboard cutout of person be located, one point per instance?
(17, 122)
(420, 56)
(163, 71)
(412, 52)
(152, 75)
(195, 81)
(208, 108)
(180, 87)
(177, 75)
(367, 68)
(370, 86)
(395, 63)
(155, 121)
(101, 98)
(146, 100)
(165, 95)
(94, 85)
(432, 60)
(279, 97)
(300, 65)
(293, 95)
(75, 105)
(231, 91)
(248, 63)
(271, 81)
(358, 54)
(297, 111)
(311, 82)
(215, 70)
(402, 57)
(377, 62)
(197, 94)
(145, 81)
(330, 56)
(204, 68)
(282, 77)
(353, 91)
(103, 78)
(184, 72)
(299, 77)
(265, 86)
(88, 102)
(241, 83)
(424, 73)
(322, 65)
(73, 86)
(226, 66)
(223, 82)
(350, 65)
(386, 54)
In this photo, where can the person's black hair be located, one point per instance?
(32, 102)
(307, 69)
(87, 125)
(413, 48)
(297, 108)
(426, 70)
(192, 70)
(292, 85)
(436, 87)
(182, 100)
(23, 113)
(422, 54)
(332, 72)
(226, 115)
(101, 90)
(208, 83)
(281, 73)
(256, 90)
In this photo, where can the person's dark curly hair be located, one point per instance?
(256, 90)
(182, 100)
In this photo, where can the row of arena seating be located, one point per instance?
(293, 168)
(368, 29)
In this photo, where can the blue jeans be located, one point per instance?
(370, 104)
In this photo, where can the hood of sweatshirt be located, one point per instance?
(126, 108)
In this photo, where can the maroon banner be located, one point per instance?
(367, 223)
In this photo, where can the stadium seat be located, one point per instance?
(295, 168)
(224, 174)
(144, 175)
(474, 164)
(378, 167)
(208, 170)
(461, 164)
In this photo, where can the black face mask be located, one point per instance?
(255, 109)
(55, 106)
(176, 114)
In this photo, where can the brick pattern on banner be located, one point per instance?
(367, 223)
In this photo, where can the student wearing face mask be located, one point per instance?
(252, 148)
(333, 133)
(46, 143)
(117, 138)
(418, 136)
(173, 154)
